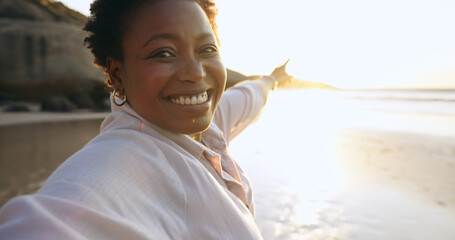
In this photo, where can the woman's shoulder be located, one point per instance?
(117, 161)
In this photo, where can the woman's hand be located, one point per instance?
(281, 76)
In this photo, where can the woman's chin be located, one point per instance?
(195, 129)
(190, 127)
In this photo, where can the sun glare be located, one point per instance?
(301, 145)
(349, 44)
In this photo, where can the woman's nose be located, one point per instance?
(192, 69)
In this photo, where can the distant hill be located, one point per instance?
(234, 77)
(298, 83)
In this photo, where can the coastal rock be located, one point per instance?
(57, 104)
(17, 107)
(40, 10)
(82, 101)
(42, 52)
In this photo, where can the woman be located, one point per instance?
(160, 167)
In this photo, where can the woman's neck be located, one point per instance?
(196, 136)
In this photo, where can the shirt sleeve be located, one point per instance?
(46, 217)
(98, 194)
(240, 106)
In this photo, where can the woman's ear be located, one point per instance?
(116, 73)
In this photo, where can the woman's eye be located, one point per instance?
(209, 50)
(162, 54)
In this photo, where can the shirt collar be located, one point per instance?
(194, 147)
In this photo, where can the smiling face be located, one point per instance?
(171, 72)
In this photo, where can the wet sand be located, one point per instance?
(33, 145)
(320, 174)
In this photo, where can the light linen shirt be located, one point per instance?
(138, 181)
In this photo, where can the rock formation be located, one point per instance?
(42, 51)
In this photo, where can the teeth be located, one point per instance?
(200, 99)
(191, 100)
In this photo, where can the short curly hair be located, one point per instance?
(109, 20)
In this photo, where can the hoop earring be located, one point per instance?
(118, 104)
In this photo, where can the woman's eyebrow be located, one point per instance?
(201, 37)
(159, 36)
(205, 35)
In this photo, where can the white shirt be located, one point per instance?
(138, 181)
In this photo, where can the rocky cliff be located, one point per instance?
(42, 52)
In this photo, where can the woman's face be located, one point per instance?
(172, 72)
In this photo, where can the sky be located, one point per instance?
(347, 44)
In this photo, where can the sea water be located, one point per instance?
(424, 111)
(423, 101)
(351, 164)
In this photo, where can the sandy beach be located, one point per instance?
(330, 171)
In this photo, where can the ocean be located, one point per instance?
(423, 111)
(424, 101)
(353, 164)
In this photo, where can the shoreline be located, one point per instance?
(7, 118)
